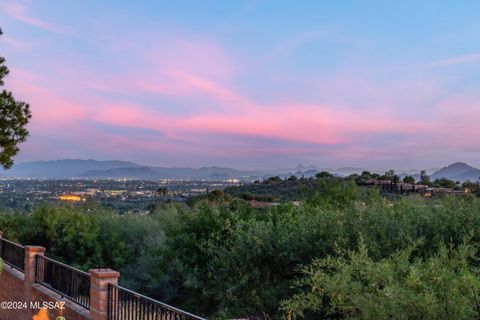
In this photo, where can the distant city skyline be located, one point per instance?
(248, 84)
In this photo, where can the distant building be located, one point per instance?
(445, 191)
(70, 197)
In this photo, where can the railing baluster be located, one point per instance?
(124, 304)
(13, 254)
(67, 281)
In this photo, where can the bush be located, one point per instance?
(225, 259)
(353, 285)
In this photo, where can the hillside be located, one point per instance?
(472, 175)
(62, 168)
(457, 171)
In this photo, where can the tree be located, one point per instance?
(389, 175)
(353, 177)
(395, 179)
(409, 179)
(14, 117)
(218, 196)
(444, 183)
(273, 180)
(353, 285)
(424, 178)
(364, 177)
(323, 174)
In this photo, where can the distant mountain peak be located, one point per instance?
(65, 168)
(457, 171)
(90, 168)
(459, 164)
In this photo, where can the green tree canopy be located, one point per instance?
(409, 179)
(444, 183)
(324, 174)
(424, 178)
(14, 116)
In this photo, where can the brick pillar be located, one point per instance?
(99, 280)
(30, 253)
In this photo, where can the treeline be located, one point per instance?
(276, 189)
(345, 253)
(281, 190)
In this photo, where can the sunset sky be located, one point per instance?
(248, 84)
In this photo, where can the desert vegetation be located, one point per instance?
(346, 252)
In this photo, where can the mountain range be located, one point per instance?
(93, 169)
(63, 168)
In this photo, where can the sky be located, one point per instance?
(248, 84)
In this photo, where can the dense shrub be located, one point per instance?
(225, 259)
(353, 285)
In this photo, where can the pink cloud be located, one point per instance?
(300, 123)
(466, 58)
(14, 43)
(51, 111)
(65, 98)
(172, 68)
(20, 12)
(190, 54)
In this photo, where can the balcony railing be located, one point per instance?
(13, 254)
(124, 304)
(74, 284)
(67, 281)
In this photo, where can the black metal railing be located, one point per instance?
(124, 304)
(67, 281)
(13, 254)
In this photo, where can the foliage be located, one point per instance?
(82, 238)
(409, 179)
(232, 261)
(323, 174)
(445, 183)
(224, 259)
(14, 116)
(352, 285)
(365, 177)
(335, 193)
(473, 187)
(291, 189)
(424, 178)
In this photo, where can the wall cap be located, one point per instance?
(34, 249)
(104, 273)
